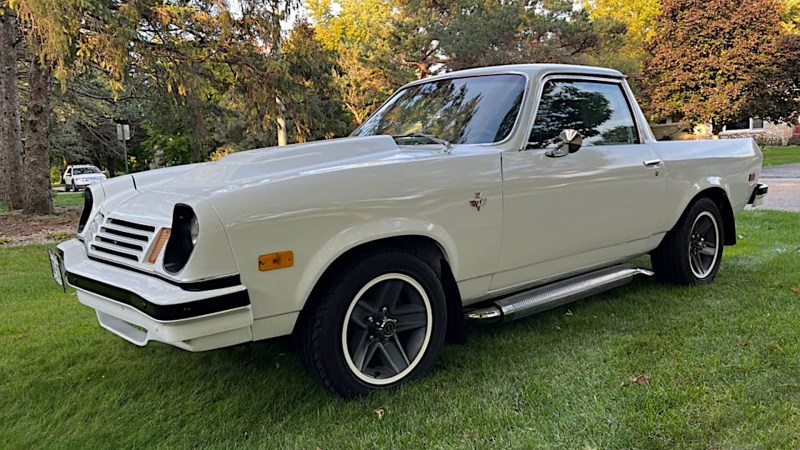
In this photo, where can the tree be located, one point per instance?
(184, 48)
(314, 107)
(50, 28)
(85, 115)
(433, 35)
(777, 89)
(637, 18)
(37, 145)
(360, 33)
(710, 60)
(10, 143)
(791, 16)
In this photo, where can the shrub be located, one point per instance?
(60, 235)
(221, 152)
(767, 141)
(55, 175)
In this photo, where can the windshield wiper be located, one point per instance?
(435, 139)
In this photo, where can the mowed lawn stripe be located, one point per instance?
(722, 363)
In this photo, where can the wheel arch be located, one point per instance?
(719, 196)
(430, 250)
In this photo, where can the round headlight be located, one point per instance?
(194, 230)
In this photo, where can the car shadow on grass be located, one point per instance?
(270, 370)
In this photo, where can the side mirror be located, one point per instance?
(570, 141)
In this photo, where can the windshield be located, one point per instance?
(474, 110)
(85, 170)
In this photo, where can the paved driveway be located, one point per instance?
(784, 187)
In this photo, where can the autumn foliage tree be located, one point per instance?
(638, 19)
(715, 61)
(360, 33)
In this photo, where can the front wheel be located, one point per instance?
(691, 252)
(380, 324)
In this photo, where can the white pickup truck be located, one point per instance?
(482, 195)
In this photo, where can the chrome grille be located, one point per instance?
(123, 239)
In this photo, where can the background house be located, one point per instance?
(763, 131)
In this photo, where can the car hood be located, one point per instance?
(255, 167)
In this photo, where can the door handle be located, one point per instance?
(653, 163)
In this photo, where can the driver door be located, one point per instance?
(597, 205)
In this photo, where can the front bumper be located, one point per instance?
(83, 184)
(141, 308)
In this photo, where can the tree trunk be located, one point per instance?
(716, 128)
(37, 142)
(280, 121)
(111, 163)
(10, 143)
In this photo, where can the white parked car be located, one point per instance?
(487, 195)
(78, 177)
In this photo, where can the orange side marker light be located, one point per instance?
(279, 260)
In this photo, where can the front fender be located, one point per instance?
(361, 234)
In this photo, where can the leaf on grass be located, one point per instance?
(796, 289)
(380, 412)
(558, 328)
(569, 312)
(640, 379)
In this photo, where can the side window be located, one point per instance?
(69, 171)
(598, 111)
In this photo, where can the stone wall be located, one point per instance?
(771, 134)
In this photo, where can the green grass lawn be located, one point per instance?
(776, 156)
(68, 199)
(723, 363)
(63, 199)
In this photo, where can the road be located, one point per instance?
(784, 187)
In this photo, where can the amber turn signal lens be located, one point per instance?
(163, 237)
(274, 261)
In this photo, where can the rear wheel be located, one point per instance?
(380, 324)
(691, 252)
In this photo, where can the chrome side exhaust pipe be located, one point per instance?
(556, 294)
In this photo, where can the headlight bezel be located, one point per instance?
(182, 242)
(88, 204)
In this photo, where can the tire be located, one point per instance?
(74, 188)
(379, 324)
(66, 187)
(691, 252)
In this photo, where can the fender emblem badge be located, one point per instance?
(478, 201)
